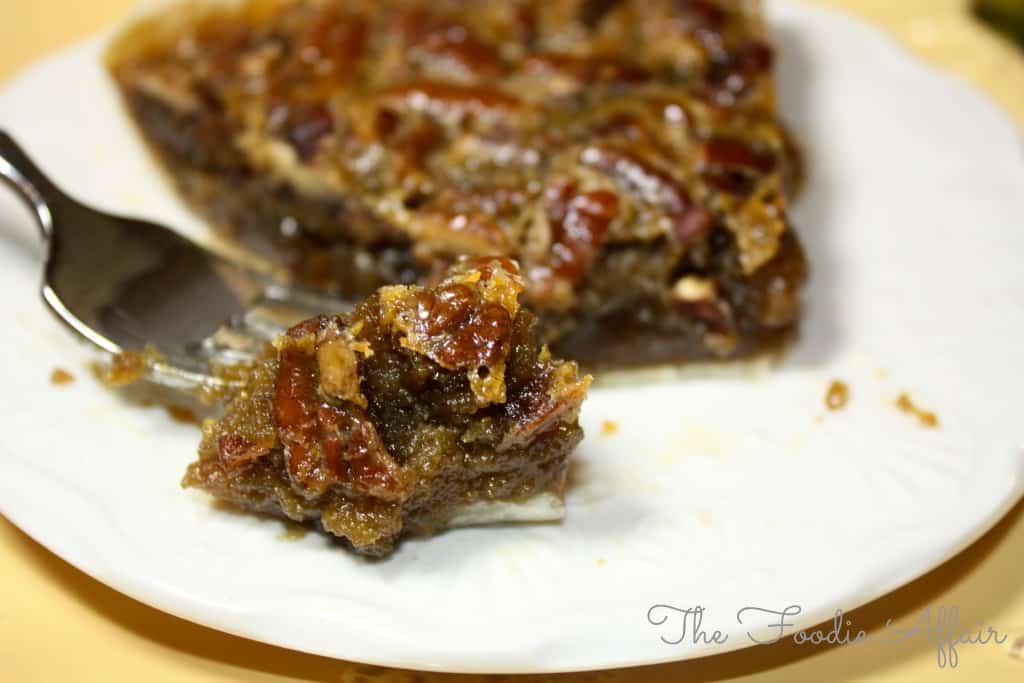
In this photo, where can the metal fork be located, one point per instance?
(129, 285)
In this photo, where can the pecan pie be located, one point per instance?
(626, 152)
(424, 408)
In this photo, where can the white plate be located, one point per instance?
(719, 492)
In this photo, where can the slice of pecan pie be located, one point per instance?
(626, 152)
(422, 409)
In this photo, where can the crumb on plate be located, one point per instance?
(925, 417)
(61, 377)
(124, 368)
(837, 396)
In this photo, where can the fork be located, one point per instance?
(130, 285)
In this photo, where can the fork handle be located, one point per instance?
(30, 183)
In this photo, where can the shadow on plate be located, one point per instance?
(811, 215)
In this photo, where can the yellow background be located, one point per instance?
(56, 624)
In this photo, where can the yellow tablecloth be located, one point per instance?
(56, 624)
